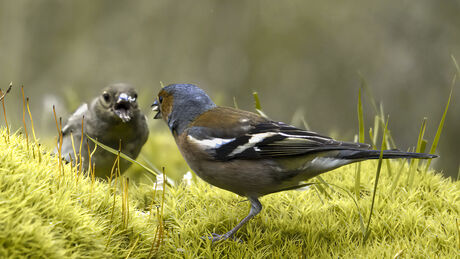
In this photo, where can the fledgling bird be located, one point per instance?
(109, 118)
(247, 154)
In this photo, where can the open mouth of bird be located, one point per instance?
(123, 110)
(156, 108)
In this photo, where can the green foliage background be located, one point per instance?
(306, 60)
(302, 56)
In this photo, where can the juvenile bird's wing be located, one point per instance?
(74, 122)
(227, 133)
(73, 126)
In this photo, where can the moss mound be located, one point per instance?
(52, 214)
(48, 213)
(418, 222)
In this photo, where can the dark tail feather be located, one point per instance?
(375, 154)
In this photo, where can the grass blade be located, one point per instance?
(423, 146)
(388, 138)
(455, 64)
(368, 92)
(257, 101)
(375, 131)
(441, 125)
(377, 176)
(258, 106)
(115, 152)
(360, 118)
(414, 162)
(361, 219)
(361, 139)
(235, 104)
(323, 182)
(399, 173)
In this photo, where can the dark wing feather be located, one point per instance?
(291, 141)
(248, 136)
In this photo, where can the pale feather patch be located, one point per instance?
(304, 137)
(81, 110)
(245, 124)
(256, 138)
(213, 143)
(325, 163)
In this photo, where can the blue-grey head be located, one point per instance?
(180, 104)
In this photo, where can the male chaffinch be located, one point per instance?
(109, 118)
(247, 154)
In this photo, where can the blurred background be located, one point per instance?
(303, 57)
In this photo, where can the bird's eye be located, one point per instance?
(106, 96)
(135, 96)
(160, 99)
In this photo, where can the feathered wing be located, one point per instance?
(74, 122)
(248, 136)
(73, 126)
(245, 135)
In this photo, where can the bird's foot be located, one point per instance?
(216, 238)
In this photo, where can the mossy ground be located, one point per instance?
(47, 213)
(52, 214)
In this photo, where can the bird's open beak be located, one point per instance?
(156, 108)
(122, 107)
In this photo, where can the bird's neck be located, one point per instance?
(185, 114)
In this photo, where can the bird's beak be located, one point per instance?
(156, 108)
(122, 107)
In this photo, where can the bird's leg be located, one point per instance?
(256, 207)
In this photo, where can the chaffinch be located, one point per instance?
(247, 154)
(109, 118)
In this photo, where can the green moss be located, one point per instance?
(418, 222)
(160, 150)
(45, 214)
